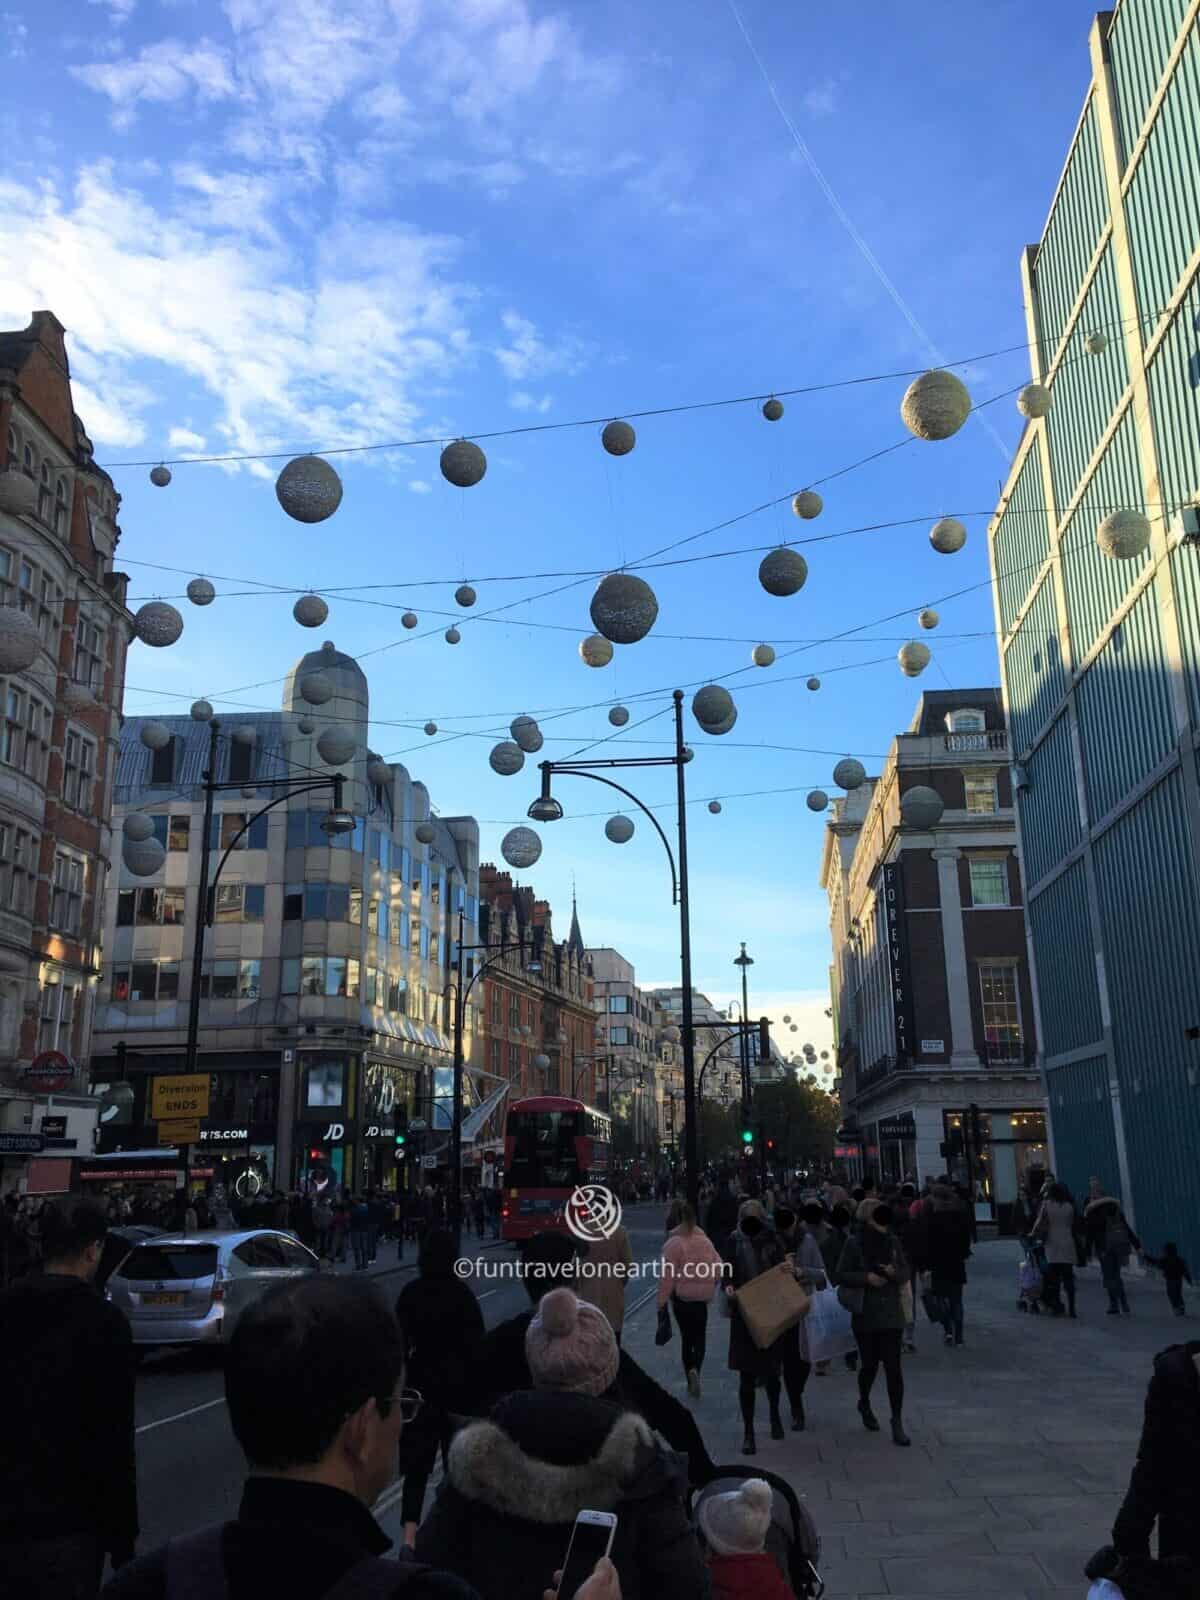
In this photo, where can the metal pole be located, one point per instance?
(691, 1148)
(745, 1037)
(456, 1123)
(202, 899)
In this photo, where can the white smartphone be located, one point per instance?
(591, 1538)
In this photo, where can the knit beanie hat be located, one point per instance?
(571, 1345)
(736, 1524)
(752, 1208)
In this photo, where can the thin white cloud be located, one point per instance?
(527, 355)
(162, 73)
(821, 99)
(186, 439)
(419, 486)
(119, 10)
(522, 400)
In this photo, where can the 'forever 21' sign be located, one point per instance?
(893, 904)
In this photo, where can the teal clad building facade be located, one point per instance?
(1101, 657)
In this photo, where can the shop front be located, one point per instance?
(388, 1102)
(139, 1184)
(895, 1140)
(326, 1127)
(239, 1161)
(995, 1155)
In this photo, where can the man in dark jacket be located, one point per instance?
(314, 1378)
(547, 1260)
(68, 1491)
(1162, 1486)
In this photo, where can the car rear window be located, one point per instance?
(162, 1262)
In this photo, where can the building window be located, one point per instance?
(179, 832)
(240, 902)
(980, 788)
(1001, 1012)
(27, 724)
(162, 763)
(79, 769)
(326, 1081)
(60, 506)
(966, 721)
(147, 980)
(228, 824)
(618, 1036)
(618, 1003)
(56, 1020)
(18, 855)
(989, 881)
(89, 654)
(66, 899)
(514, 1061)
(241, 762)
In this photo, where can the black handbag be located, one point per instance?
(662, 1334)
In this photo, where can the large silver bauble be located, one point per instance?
(1124, 535)
(425, 833)
(137, 826)
(817, 800)
(935, 405)
(306, 725)
(160, 476)
(157, 624)
(526, 733)
(463, 464)
(715, 807)
(155, 735)
(947, 535)
(316, 688)
(378, 772)
(19, 640)
(409, 619)
(814, 684)
(452, 636)
(849, 773)
(336, 746)
(928, 618)
(921, 807)
(714, 729)
(763, 655)
(1034, 400)
(711, 704)
(618, 438)
(618, 716)
(619, 829)
(595, 650)
(246, 733)
(521, 847)
(465, 595)
(506, 758)
(201, 592)
(772, 409)
(202, 711)
(624, 607)
(309, 489)
(782, 572)
(808, 504)
(310, 611)
(1096, 343)
(77, 698)
(143, 857)
(431, 729)
(18, 493)
(913, 657)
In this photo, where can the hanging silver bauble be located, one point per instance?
(541, 1061)
(913, 657)
(595, 650)
(248, 791)
(463, 464)
(506, 758)
(711, 704)
(814, 684)
(378, 772)
(807, 504)
(19, 640)
(521, 847)
(849, 773)
(672, 1034)
(921, 807)
(160, 476)
(306, 725)
(618, 438)
(772, 409)
(310, 611)
(202, 711)
(316, 688)
(200, 592)
(336, 746)
(246, 733)
(624, 607)
(1096, 343)
(18, 493)
(425, 833)
(824, 1055)
(155, 735)
(143, 857)
(137, 826)
(817, 800)
(763, 655)
(935, 405)
(715, 807)
(452, 636)
(782, 572)
(947, 535)
(1034, 400)
(408, 620)
(619, 829)
(77, 698)
(431, 728)
(1124, 535)
(714, 729)
(308, 489)
(928, 618)
(465, 595)
(787, 1018)
(526, 733)
(157, 624)
(618, 716)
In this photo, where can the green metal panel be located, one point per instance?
(1162, 203)
(1149, 892)
(1123, 705)
(1185, 577)
(1076, 221)
(1094, 584)
(1086, 388)
(1068, 991)
(1033, 668)
(1021, 541)
(1139, 42)
(1085, 1142)
(1049, 812)
(1174, 380)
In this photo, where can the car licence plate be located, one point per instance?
(163, 1299)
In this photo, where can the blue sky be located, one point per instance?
(271, 224)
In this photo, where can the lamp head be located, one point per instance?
(337, 821)
(545, 809)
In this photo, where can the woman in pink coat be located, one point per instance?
(691, 1273)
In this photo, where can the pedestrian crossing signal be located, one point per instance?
(747, 1136)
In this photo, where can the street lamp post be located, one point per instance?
(745, 962)
(547, 809)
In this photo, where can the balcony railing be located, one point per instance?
(995, 741)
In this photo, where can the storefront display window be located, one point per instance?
(996, 1154)
(326, 1083)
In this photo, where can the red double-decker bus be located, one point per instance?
(552, 1144)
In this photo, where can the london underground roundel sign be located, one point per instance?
(47, 1073)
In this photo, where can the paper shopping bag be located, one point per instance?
(771, 1304)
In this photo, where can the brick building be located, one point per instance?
(931, 986)
(58, 539)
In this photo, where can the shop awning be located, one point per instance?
(473, 1125)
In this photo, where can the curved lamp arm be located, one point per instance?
(210, 893)
(571, 772)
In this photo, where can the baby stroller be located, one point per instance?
(1031, 1276)
(792, 1539)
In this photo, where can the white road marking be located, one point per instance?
(180, 1415)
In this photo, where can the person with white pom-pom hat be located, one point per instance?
(734, 1526)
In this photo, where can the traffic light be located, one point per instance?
(764, 1040)
(770, 1144)
(400, 1126)
(747, 1136)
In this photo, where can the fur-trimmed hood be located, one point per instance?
(544, 1457)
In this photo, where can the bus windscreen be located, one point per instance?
(544, 1154)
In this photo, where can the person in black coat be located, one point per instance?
(753, 1247)
(722, 1216)
(68, 1487)
(944, 1245)
(443, 1328)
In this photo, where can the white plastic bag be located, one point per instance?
(828, 1327)
(1103, 1589)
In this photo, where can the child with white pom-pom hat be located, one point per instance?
(735, 1529)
